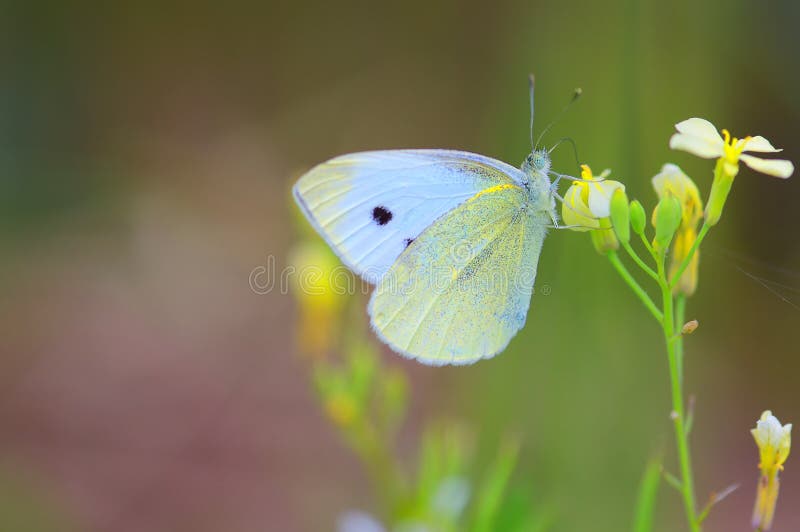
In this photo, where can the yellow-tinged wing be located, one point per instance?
(462, 289)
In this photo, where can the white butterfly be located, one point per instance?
(451, 239)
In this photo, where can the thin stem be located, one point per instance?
(688, 258)
(678, 411)
(649, 247)
(639, 262)
(638, 290)
(672, 481)
(680, 319)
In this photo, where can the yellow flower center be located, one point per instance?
(586, 173)
(588, 179)
(733, 147)
(582, 187)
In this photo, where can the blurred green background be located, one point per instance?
(146, 155)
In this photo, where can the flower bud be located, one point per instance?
(671, 181)
(604, 239)
(666, 220)
(689, 327)
(638, 217)
(620, 215)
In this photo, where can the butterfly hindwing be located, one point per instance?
(371, 206)
(462, 289)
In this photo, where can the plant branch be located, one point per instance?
(649, 247)
(638, 290)
(639, 262)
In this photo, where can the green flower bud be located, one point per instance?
(620, 215)
(666, 219)
(638, 217)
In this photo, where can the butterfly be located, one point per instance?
(451, 239)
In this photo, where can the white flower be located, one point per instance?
(700, 137)
(588, 200)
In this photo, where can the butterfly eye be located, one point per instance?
(540, 160)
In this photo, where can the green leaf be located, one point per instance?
(490, 494)
(518, 514)
(646, 503)
(429, 470)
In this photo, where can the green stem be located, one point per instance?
(638, 290)
(678, 410)
(639, 262)
(680, 319)
(649, 247)
(688, 258)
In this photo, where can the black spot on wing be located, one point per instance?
(381, 215)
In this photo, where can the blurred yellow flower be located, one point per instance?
(341, 409)
(320, 299)
(774, 442)
(700, 137)
(671, 181)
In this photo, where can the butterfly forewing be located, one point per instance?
(371, 206)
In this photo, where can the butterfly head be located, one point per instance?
(537, 163)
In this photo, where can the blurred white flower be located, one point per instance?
(774, 442)
(355, 521)
(451, 497)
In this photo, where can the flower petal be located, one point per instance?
(669, 173)
(575, 212)
(761, 145)
(699, 146)
(600, 197)
(672, 181)
(699, 127)
(774, 167)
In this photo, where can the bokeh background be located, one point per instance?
(146, 155)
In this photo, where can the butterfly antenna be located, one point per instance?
(574, 149)
(531, 83)
(575, 96)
